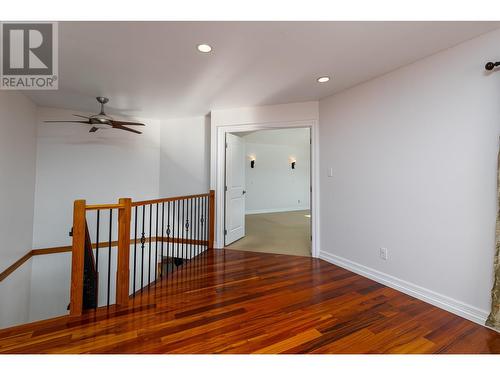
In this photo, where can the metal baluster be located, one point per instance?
(109, 250)
(135, 243)
(179, 226)
(203, 220)
(198, 223)
(191, 234)
(162, 231)
(184, 229)
(207, 227)
(174, 204)
(174, 227)
(169, 258)
(189, 207)
(143, 241)
(194, 227)
(195, 221)
(209, 223)
(188, 232)
(156, 245)
(149, 254)
(172, 238)
(97, 244)
(207, 219)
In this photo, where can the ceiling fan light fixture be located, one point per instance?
(204, 48)
(323, 79)
(103, 121)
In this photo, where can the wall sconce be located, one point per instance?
(252, 161)
(292, 162)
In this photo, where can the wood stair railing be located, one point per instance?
(191, 212)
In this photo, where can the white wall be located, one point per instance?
(273, 186)
(100, 167)
(414, 157)
(74, 164)
(50, 285)
(185, 156)
(17, 186)
(265, 114)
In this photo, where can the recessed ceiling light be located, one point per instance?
(323, 79)
(205, 48)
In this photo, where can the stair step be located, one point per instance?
(169, 264)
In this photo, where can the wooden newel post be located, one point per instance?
(122, 271)
(77, 258)
(211, 220)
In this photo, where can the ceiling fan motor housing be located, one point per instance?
(102, 99)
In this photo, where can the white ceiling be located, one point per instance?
(152, 69)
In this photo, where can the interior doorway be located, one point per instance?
(267, 200)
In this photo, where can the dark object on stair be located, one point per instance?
(90, 276)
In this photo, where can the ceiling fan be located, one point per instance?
(103, 121)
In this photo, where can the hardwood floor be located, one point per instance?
(242, 302)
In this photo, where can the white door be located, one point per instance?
(235, 188)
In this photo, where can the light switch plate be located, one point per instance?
(384, 253)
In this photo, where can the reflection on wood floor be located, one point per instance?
(228, 301)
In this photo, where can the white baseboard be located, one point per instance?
(272, 210)
(446, 303)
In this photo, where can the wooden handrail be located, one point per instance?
(66, 249)
(103, 206)
(61, 249)
(163, 200)
(18, 263)
(91, 207)
(123, 257)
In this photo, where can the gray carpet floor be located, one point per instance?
(286, 233)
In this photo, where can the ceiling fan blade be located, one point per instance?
(73, 121)
(125, 128)
(93, 129)
(115, 122)
(81, 116)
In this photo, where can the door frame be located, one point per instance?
(226, 191)
(218, 165)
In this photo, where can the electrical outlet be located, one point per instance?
(384, 253)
